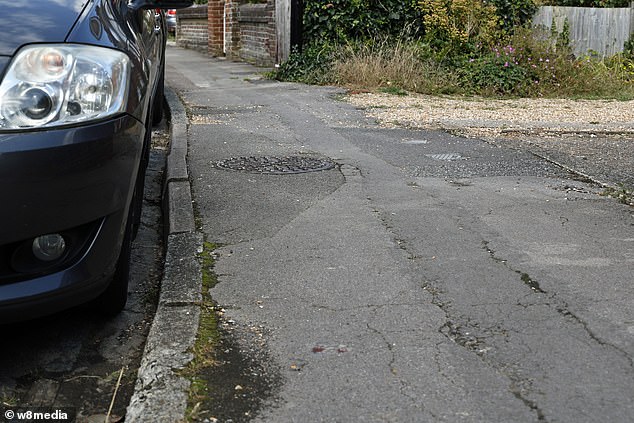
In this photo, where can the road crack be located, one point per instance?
(559, 305)
(392, 366)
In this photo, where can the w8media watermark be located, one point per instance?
(37, 414)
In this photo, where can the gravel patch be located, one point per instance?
(498, 116)
(594, 138)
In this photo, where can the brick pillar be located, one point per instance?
(232, 28)
(215, 25)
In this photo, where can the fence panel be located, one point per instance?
(603, 31)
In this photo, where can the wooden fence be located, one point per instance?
(592, 30)
(283, 25)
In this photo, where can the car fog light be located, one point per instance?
(49, 247)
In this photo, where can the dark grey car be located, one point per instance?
(81, 84)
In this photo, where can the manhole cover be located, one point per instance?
(275, 165)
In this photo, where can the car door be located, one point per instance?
(151, 28)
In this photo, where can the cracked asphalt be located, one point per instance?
(427, 277)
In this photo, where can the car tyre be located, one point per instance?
(136, 207)
(112, 301)
(157, 105)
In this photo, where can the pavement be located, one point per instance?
(161, 389)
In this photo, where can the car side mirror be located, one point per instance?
(159, 4)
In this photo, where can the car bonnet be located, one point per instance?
(27, 21)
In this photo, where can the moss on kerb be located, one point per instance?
(207, 339)
(227, 381)
(207, 265)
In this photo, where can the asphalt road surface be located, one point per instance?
(425, 277)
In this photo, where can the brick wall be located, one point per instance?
(242, 31)
(257, 33)
(192, 28)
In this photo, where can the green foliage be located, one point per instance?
(525, 65)
(343, 21)
(628, 47)
(514, 13)
(458, 25)
(530, 65)
(494, 75)
(563, 38)
(469, 21)
(207, 337)
(393, 90)
(312, 65)
(622, 193)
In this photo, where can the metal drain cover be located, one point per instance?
(275, 165)
(445, 157)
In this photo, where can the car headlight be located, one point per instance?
(58, 84)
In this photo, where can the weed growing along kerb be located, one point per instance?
(207, 339)
(227, 381)
(622, 194)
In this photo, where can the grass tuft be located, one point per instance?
(621, 193)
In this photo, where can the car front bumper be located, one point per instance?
(77, 182)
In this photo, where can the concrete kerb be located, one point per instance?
(160, 393)
(177, 195)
